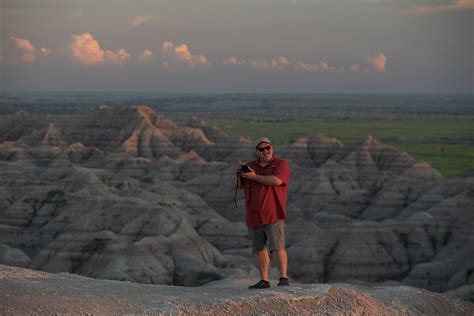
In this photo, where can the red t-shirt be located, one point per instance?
(266, 204)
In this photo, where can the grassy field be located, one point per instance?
(450, 160)
(440, 143)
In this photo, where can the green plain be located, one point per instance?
(447, 145)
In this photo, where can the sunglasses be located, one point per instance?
(261, 149)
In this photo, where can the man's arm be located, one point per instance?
(266, 180)
(235, 181)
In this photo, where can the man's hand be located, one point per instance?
(238, 165)
(235, 180)
(249, 175)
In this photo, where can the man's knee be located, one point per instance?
(276, 234)
(262, 257)
(278, 253)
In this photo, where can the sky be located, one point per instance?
(238, 46)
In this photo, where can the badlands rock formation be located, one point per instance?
(128, 194)
(24, 291)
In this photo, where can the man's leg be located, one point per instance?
(263, 263)
(276, 243)
(259, 247)
(280, 258)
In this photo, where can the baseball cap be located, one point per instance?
(262, 140)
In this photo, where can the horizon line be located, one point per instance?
(125, 92)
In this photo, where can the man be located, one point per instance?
(265, 184)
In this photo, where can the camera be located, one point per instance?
(244, 169)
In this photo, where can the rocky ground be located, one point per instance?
(24, 291)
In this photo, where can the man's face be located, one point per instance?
(265, 152)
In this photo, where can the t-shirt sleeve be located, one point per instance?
(282, 171)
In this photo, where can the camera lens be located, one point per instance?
(244, 169)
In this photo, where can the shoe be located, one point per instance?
(284, 282)
(262, 284)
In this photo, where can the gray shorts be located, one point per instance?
(271, 235)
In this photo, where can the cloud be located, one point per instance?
(278, 63)
(378, 62)
(140, 20)
(358, 69)
(415, 7)
(167, 46)
(146, 54)
(438, 6)
(314, 68)
(232, 61)
(88, 51)
(45, 51)
(28, 58)
(355, 68)
(118, 57)
(181, 55)
(24, 44)
(29, 51)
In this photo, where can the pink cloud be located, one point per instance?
(24, 44)
(314, 68)
(146, 54)
(282, 63)
(378, 62)
(358, 69)
(232, 61)
(140, 20)
(45, 51)
(88, 51)
(27, 48)
(355, 68)
(28, 58)
(440, 7)
(181, 55)
(278, 63)
(167, 46)
(118, 57)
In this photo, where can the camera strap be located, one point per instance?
(236, 188)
